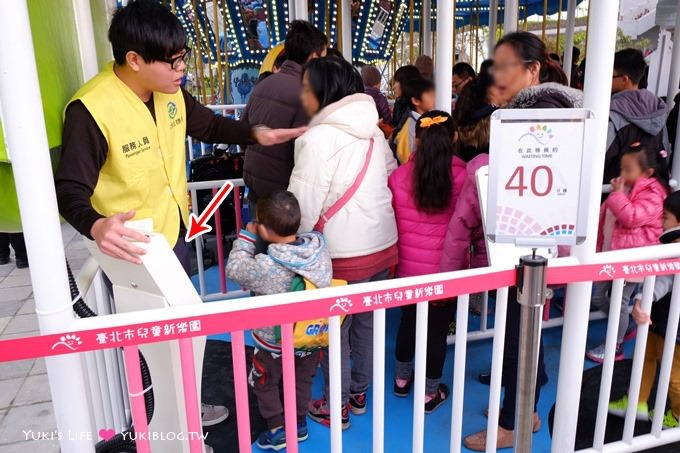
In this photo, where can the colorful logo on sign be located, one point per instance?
(172, 110)
(541, 133)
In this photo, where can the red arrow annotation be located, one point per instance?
(197, 225)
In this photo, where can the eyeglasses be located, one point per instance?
(175, 62)
(502, 67)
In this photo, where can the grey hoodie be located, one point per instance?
(273, 273)
(633, 115)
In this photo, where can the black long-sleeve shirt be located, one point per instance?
(84, 152)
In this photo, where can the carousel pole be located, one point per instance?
(493, 24)
(545, 19)
(559, 26)
(412, 49)
(569, 42)
(345, 28)
(426, 27)
(455, 30)
(477, 39)
(206, 33)
(510, 16)
(218, 50)
(226, 75)
(198, 53)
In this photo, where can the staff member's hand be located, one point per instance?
(268, 137)
(111, 236)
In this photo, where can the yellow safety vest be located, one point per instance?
(145, 166)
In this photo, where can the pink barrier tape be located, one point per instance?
(220, 249)
(186, 357)
(136, 392)
(238, 353)
(237, 208)
(289, 392)
(353, 300)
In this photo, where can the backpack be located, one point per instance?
(310, 335)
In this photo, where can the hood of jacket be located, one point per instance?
(355, 115)
(560, 95)
(309, 257)
(640, 108)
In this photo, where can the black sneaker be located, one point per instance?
(438, 399)
(357, 403)
(4, 260)
(22, 263)
(403, 391)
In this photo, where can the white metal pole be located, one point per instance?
(86, 42)
(444, 55)
(301, 8)
(346, 25)
(426, 27)
(511, 16)
(674, 77)
(379, 334)
(569, 41)
(601, 46)
(25, 133)
(419, 375)
(493, 25)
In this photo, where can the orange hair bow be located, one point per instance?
(427, 122)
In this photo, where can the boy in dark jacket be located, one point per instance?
(658, 320)
(371, 78)
(634, 114)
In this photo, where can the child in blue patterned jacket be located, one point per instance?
(289, 254)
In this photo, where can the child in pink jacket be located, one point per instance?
(424, 194)
(631, 217)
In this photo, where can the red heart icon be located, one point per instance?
(107, 434)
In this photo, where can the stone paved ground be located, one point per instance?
(25, 402)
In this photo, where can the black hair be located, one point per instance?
(672, 204)
(649, 157)
(575, 54)
(463, 70)
(279, 212)
(280, 59)
(630, 62)
(531, 50)
(303, 40)
(474, 95)
(415, 88)
(432, 178)
(555, 57)
(148, 28)
(332, 79)
(406, 73)
(334, 52)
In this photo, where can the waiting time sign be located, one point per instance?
(535, 173)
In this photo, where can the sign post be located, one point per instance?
(535, 200)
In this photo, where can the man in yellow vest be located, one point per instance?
(123, 150)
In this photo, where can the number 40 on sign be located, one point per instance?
(536, 175)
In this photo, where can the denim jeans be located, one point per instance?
(356, 350)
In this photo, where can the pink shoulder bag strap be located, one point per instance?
(338, 205)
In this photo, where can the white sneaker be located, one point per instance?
(212, 415)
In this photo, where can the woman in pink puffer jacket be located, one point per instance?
(424, 194)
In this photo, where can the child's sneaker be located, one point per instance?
(320, 412)
(619, 408)
(402, 387)
(272, 439)
(357, 403)
(597, 354)
(302, 434)
(669, 420)
(432, 402)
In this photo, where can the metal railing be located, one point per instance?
(284, 309)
